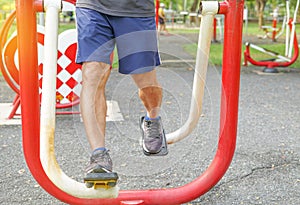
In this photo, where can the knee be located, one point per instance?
(94, 73)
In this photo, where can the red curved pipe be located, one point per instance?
(8, 66)
(3, 37)
(228, 125)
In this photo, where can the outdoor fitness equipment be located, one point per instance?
(38, 132)
(68, 72)
(273, 31)
(290, 46)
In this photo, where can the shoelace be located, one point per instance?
(99, 157)
(151, 128)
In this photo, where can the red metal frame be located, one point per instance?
(16, 104)
(30, 104)
(273, 64)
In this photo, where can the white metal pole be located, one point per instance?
(271, 53)
(293, 30)
(209, 9)
(47, 124)
(48, 102)
(42, 19)
(287, 32)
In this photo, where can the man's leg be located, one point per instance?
(93, 102)
(95, 46)
(150, 92)
(93, 109)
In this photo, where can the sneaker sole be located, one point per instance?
(101, 180)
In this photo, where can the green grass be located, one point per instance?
(251, 29)
(63, 27)
(216, 53)
(183, 30)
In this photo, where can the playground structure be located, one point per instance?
(68, 73)
(273, 31)
(38, 126)
(291, 47)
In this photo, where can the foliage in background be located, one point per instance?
(6, 6)
(252, 5)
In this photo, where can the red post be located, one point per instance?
(27, 38)
(29, 91)
(215, 30)
(274, 32)
(230, 78)
(156, 12)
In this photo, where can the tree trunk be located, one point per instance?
(193, 10)
(260, 7)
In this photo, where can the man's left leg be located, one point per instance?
(150, 93)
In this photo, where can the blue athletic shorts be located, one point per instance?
(135, 38)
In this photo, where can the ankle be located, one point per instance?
(151, 118)
(99, 149)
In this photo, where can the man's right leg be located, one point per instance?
(93, 102)
(93, 109)
(95, 45)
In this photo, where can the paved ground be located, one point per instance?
(266, 165)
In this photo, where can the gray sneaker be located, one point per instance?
(99, 172)
(100, 162)
(153, 135)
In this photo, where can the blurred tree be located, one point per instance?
(6, 4)
(257, 8)
(260, 7)
(193, 9)
(178, 5)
